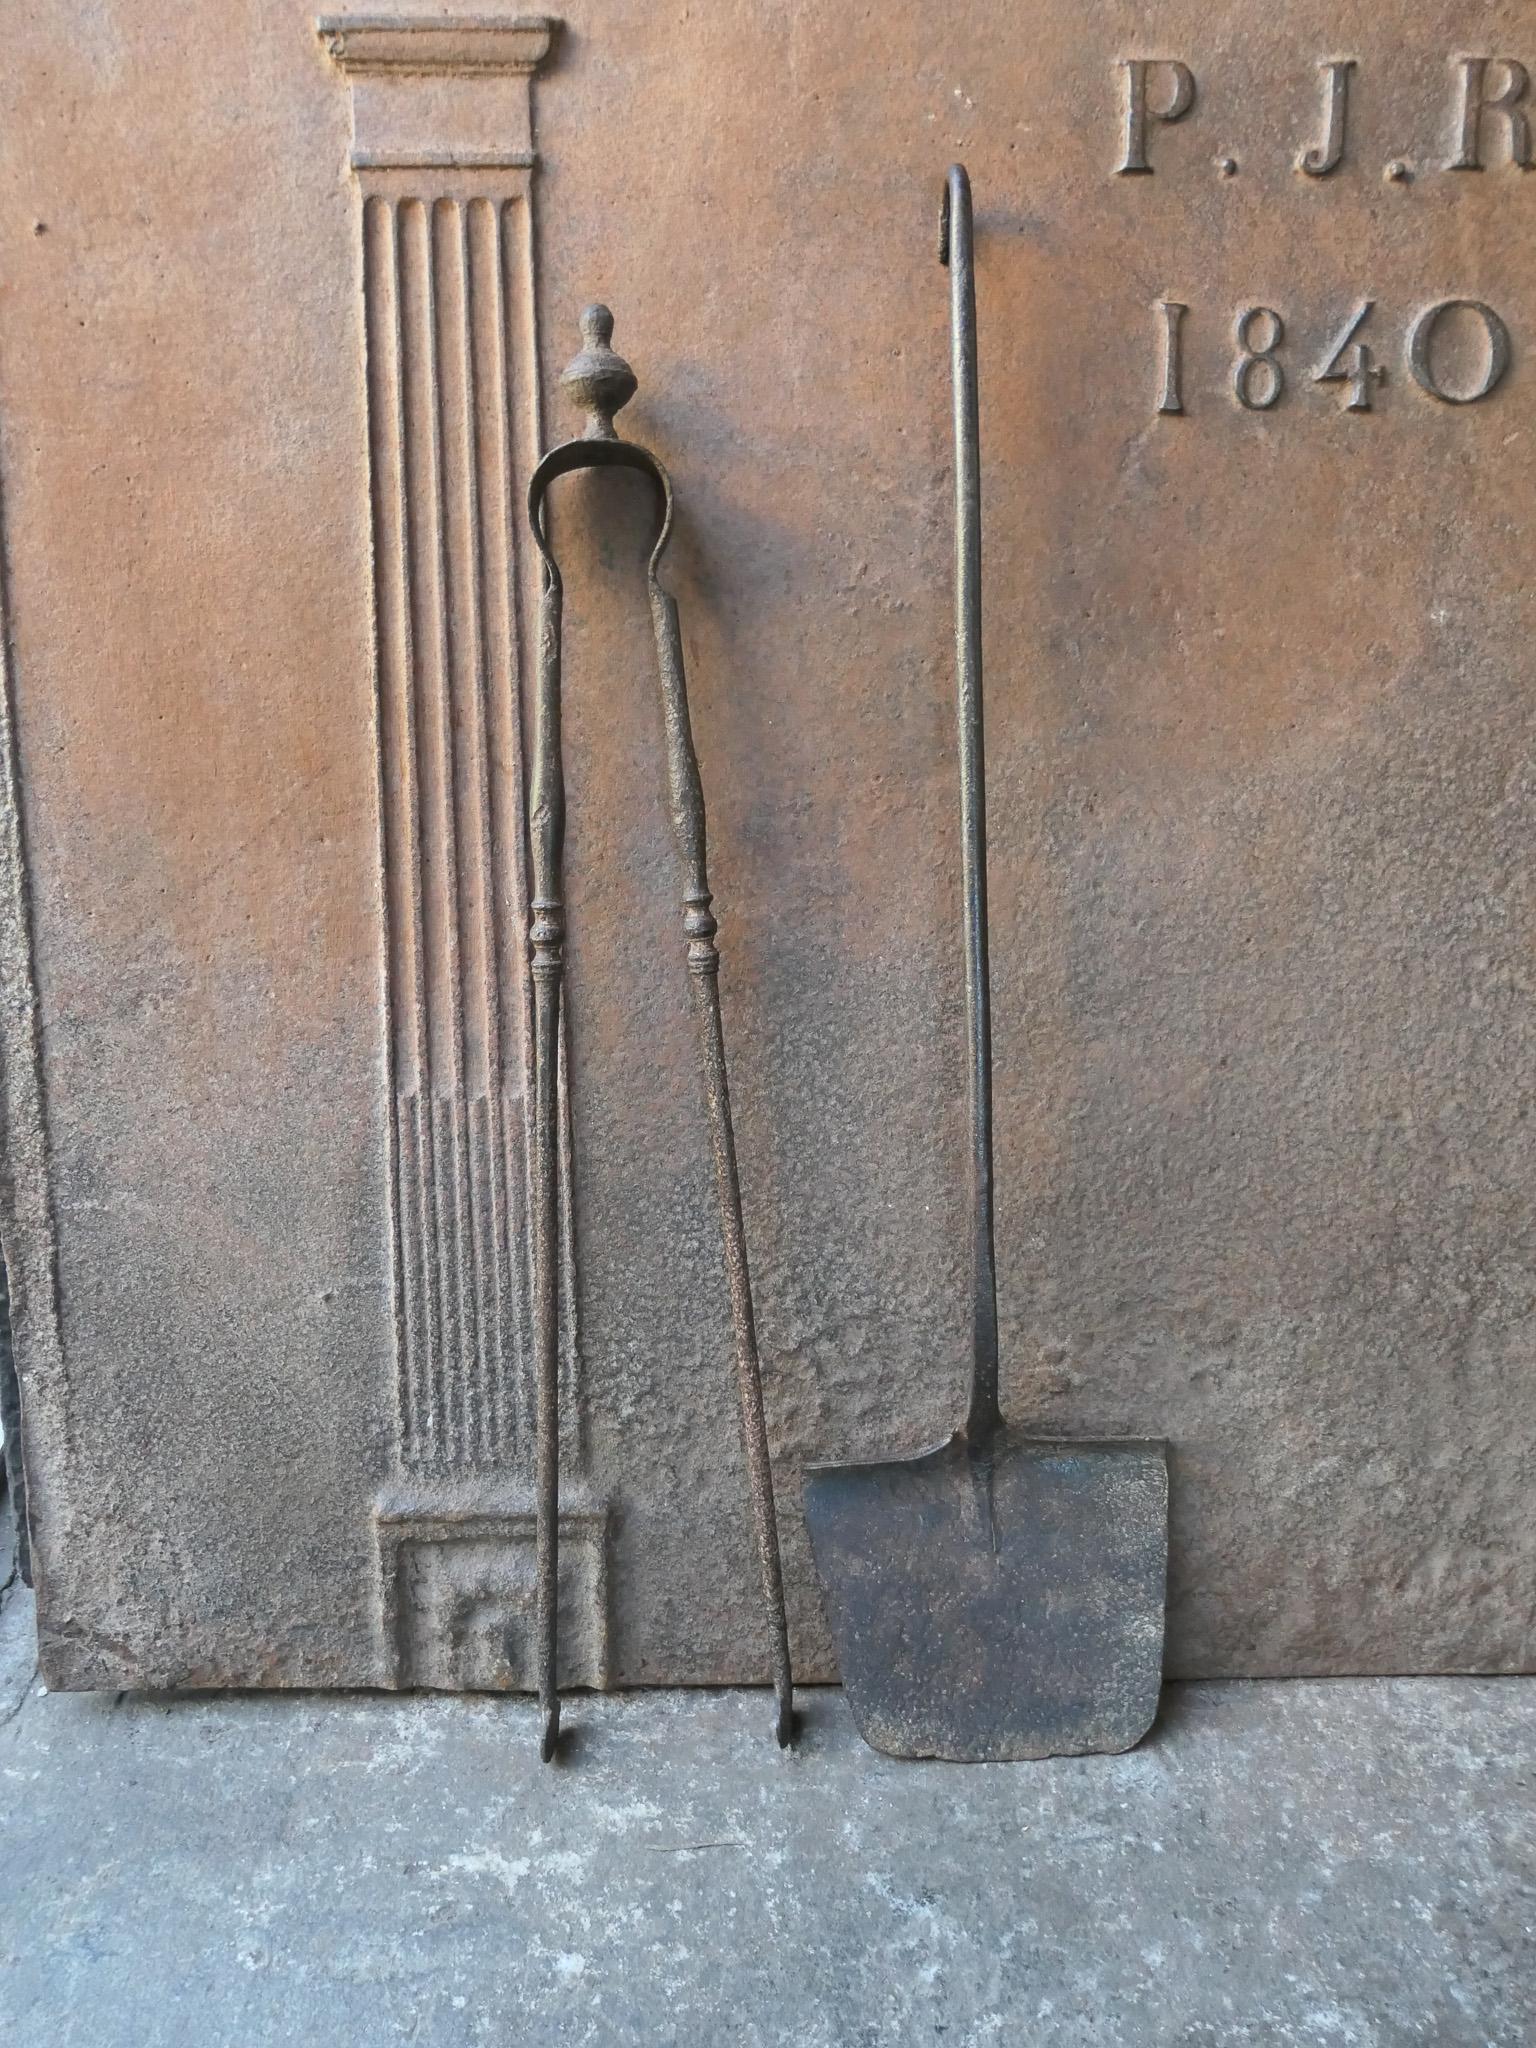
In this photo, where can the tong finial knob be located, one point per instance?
(598, 382)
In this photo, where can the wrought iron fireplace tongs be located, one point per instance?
(600, 383)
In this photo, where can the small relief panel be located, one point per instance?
(458, 1591)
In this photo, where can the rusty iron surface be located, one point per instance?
(996, 1606)
(1260, 726)
(1259, 736)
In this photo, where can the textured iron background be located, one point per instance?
(1259, 721)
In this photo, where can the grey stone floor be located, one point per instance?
(1346, 1864)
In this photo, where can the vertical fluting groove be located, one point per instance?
(466, 1388)
(445, 1372)
(464, 873)
(448, 1042)
(486, 992)
(393, 641)
(518, 998)
(456, 542)
(503, 796)
(483, 1165)
(515, 1120)
(413, 1365)
(494, 680)
(522, 1005)
(412, 232)
(394, 820)
(398, 565)
(427, 1433)
(500, 525)
(499, 787)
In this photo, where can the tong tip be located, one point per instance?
(550, 1740)
(787, 1722)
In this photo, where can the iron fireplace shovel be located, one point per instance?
(1000, 1597)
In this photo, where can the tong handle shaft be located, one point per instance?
(686, 805)
(546, 952)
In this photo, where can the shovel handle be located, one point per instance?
(956, 251)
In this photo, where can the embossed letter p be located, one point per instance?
(1181, 97)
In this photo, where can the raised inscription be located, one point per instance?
(1457, 350)
(1493, 102)
(1422, 362)
(1178, 84)
(1489, 120)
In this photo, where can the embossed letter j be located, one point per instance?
(1326, 156)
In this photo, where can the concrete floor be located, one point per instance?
(1346, 1864)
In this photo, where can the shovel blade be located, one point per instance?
(1000, 1607)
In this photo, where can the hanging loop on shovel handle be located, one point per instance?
(956, 249)
(602, 383)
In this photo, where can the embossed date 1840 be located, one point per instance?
(1456, 350)
(1437, 347)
